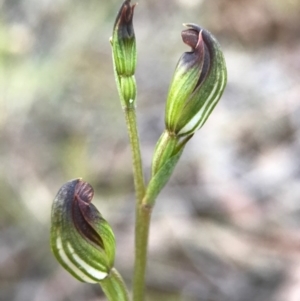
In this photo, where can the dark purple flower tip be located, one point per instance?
(123, 23)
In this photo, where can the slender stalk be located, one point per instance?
(114, 287)
(142, 213)
(139, 185)
(142, 225)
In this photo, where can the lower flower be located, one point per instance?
(81, 240)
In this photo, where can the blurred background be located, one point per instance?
(227, 226)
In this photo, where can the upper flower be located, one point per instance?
(198, 82)
(123, 41)
(81, 240)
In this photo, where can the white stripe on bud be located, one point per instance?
(65, 259)
(99, 275)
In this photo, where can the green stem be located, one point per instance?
(114, 287)
(142, 225)
(143, 213)
(136, 153)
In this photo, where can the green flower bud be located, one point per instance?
(198, 83)
(123, 41)
(81, 240)
(124, 54)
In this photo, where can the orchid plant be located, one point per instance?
(81, 239)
